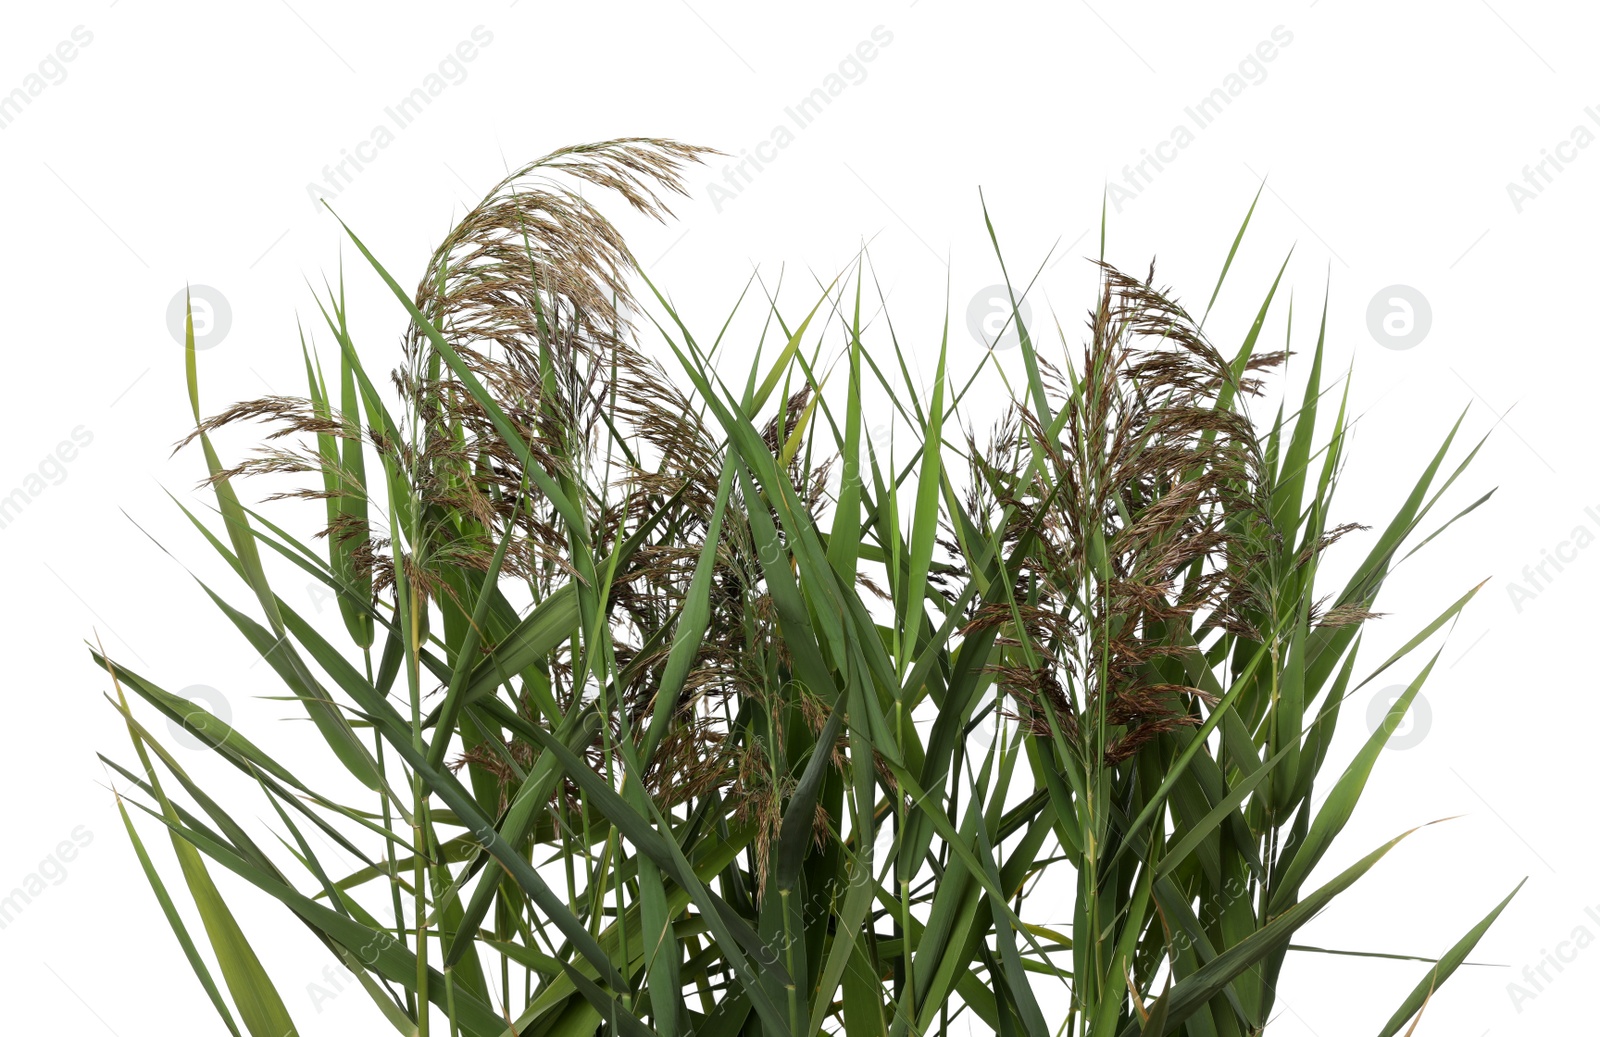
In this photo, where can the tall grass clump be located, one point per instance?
(667, 700)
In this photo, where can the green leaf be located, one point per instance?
(1445, 967)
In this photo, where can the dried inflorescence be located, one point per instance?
(1138, 530)
(530, 292)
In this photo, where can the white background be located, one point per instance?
(179, 146)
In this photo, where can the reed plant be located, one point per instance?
(666, 699)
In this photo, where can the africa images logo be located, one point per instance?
(850, 71)
(52, 871)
